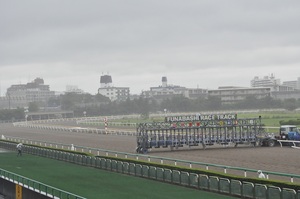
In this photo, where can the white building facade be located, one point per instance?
(231, 95)
(293, 84)
(165, 91)
(266, 81)
(273, 83)
(21, 94)
(113, 93)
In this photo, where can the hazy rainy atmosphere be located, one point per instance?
(195, 44)
(203, 94)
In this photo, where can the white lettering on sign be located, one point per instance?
(181, 118)
(200, 117)
(226, 117)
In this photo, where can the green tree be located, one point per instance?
(54, 101)
(269, 102)
(33, 107)
(213, 103)
(144, 107)
(101, 98)
(12, 114)
(68, 101)
(290, 104)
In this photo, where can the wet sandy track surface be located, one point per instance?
(277, 159)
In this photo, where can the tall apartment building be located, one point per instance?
(112, 92)
(20, 95)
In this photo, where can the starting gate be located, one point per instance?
(195, 130)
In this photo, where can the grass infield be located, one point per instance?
(95, 183)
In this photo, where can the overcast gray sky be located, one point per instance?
(195, 43)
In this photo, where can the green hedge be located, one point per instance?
(290, 122)
(275, 183)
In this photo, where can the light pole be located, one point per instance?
(8, 100)
(165, 111)
(26, 116)
(105, 124)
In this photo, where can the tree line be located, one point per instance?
(96, 105)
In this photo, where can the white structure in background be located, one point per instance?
(232, 94)
(113, 93)
(270, 82)
(19, 95)
(266, 81)
(73, 89)
(166, 90)
(293, 84)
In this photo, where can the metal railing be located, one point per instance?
(74, 129)
(36, 186)
(240, 171)
(226, 186)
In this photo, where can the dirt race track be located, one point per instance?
(276, 159)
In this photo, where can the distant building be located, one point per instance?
(293, 84)
(260, 88)
(266, 81)
(231, 95)
(20, 95)
(292, 90)
(113, 93)
(73, 89)
(165, 91)
(271, 82)
(282, 95)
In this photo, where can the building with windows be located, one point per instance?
(20, 95)
(231, 95)
(292, 92)
(166, 90)
(113, 93)
(73, 89)
(286, 90)
(292, 84)
(266, 81)
(283, 95)
(273, 83)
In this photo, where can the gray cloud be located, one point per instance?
(194, 43)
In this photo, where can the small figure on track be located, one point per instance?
(19, 148)
(261, 174)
